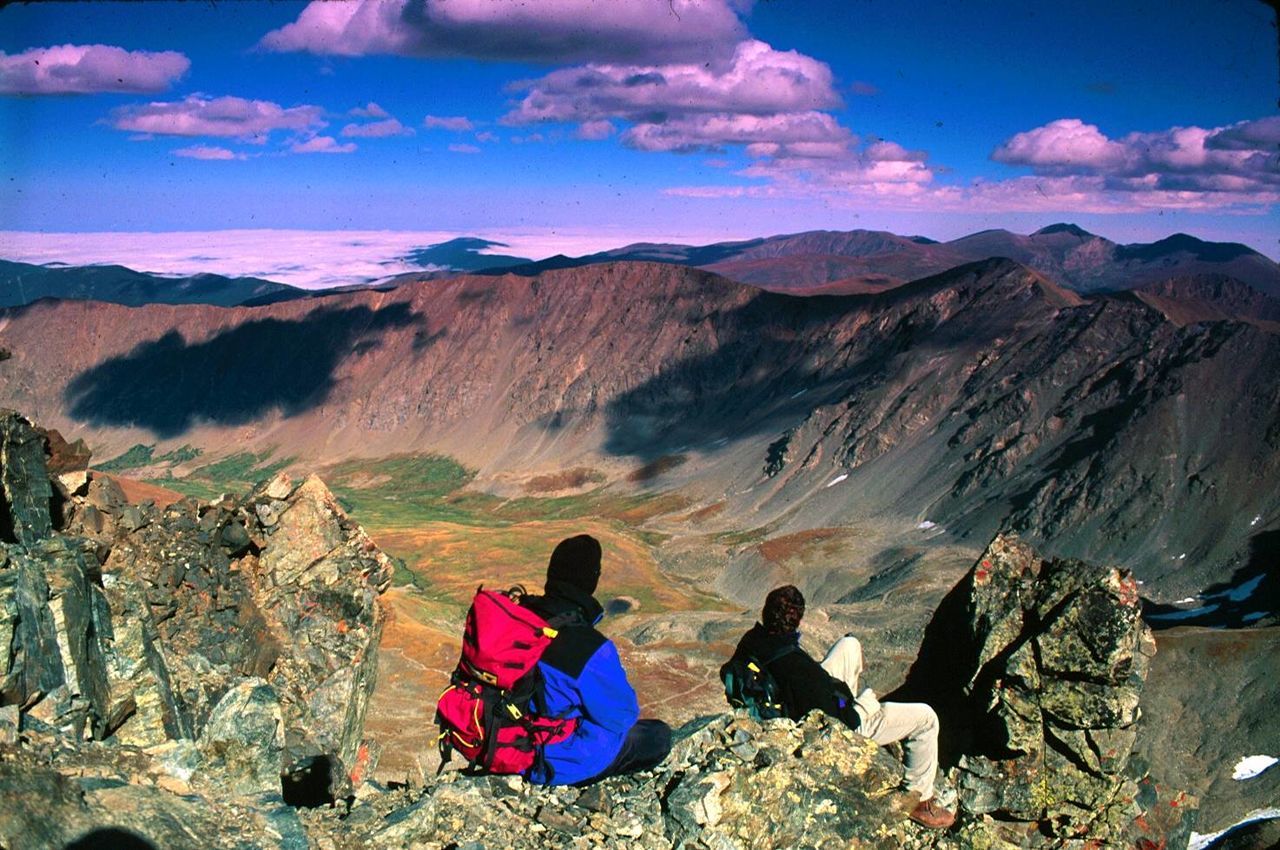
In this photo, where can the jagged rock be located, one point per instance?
(25, 493)
(316, 581)
(243, 742)
(31, 667)
(814, 784)
(1036, 668)
(142, 709)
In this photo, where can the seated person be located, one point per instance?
(805, 685)
(584, 679)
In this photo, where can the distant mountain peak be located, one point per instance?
(464, 254)
(1063, 227)
(1218, 252)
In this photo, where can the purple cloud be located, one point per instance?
(595, 130)
(758, 81)
(1235, 161)
(322, 144)
(553, 31)
(456, 123)
(464, 149)
(88, 68)
(1260, 135)
(198, 115)
(768, 135)
(373, 110)
(377, 129)
(207, 152)
(486, 137)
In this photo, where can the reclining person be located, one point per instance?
(584, 679)
(805, 685)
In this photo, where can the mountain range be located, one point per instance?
(868, 260)
(816, 262)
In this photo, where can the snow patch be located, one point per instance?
(1185, 601)
(798, 394)
(1256, 520)
(926, 525)
(1251, 766)
(1200, 842)
(834, 481)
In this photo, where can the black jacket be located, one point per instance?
(802, 683)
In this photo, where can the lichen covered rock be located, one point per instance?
(1036, 667)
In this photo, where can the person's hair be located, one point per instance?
(576, 560)
(783, 610)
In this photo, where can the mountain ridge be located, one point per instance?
(983, 395)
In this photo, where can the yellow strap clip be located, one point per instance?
(549, 632)
(751, 665)
(515, 712)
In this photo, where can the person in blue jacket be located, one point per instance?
(584, 679)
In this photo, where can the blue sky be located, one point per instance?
(626, 120)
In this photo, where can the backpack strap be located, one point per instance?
(778, 654)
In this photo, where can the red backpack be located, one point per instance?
(492, 711)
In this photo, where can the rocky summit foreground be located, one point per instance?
(198, 677)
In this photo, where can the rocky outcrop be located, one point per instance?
(211, 649)
(1036, 667)
(730, 783)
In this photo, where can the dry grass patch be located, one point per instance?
(654, 468)
(569, 479)
(825, 542)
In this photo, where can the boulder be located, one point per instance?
(243, 742)
(1036, 668)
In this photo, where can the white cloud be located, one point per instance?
(456, 123)
(88, 68)
(377, 129)
(372, 110)
(199, 115)
(322, 144)
(310, 259)
(207, 152)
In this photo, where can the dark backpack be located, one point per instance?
(493, 712)
(749, 685)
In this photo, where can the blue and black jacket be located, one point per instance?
(583, 678)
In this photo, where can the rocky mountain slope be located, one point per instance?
(983, 398)
(23, 283)
(197, 677)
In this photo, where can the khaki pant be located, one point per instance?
(895, 721)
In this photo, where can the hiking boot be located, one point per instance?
(931, 814)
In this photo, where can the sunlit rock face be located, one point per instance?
(199, 649)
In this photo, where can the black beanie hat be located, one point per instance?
(783, 610)
(576, 560)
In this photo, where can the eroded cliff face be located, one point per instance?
(198, 677)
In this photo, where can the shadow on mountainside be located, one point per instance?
(777, 357)
(1250, 596)
(168, 384)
